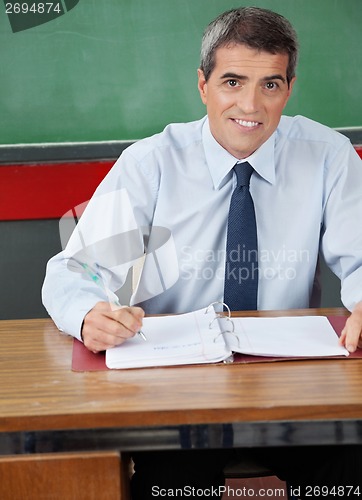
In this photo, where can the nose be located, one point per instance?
(248, 99)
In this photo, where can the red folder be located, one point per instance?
(84, 360)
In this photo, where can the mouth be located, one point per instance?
(246, 123)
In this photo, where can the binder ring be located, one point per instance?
(219, 315)
(227, 319)
(232, 331)
(226, 331)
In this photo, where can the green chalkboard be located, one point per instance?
(123, 69)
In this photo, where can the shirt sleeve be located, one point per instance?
(341, 242)
(104, 244)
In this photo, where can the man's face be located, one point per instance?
(245, 96)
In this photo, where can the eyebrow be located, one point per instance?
(243, 77)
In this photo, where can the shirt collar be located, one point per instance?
(220, 162)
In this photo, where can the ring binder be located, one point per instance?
(196, 338)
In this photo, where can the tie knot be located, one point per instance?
(243, 173)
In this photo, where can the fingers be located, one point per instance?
(129, 317)
(104, 328)
(351, 336)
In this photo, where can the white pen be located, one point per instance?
(98, 280)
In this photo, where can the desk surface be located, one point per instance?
(39, 391)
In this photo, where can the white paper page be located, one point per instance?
(286, 336)
(171, 340)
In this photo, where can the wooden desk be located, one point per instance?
(45, 407)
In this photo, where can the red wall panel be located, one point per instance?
(49, 190)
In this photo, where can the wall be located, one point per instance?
(124, 69)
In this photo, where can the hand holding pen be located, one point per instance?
(108, 323)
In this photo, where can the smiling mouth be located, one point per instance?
(245, 123)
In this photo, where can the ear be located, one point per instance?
(289, 92)
(202, 85)
(292, 81)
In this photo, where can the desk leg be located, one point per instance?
(125, 475)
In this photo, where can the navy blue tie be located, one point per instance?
(241, 266)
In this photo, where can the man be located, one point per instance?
(305, 186)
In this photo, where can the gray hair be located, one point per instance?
(254, 27)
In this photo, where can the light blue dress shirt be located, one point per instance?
(175, 189)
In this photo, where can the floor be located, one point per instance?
(261, 487)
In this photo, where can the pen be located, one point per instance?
(98, 280)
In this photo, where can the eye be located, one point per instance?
(271, 86)
(232, 83)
